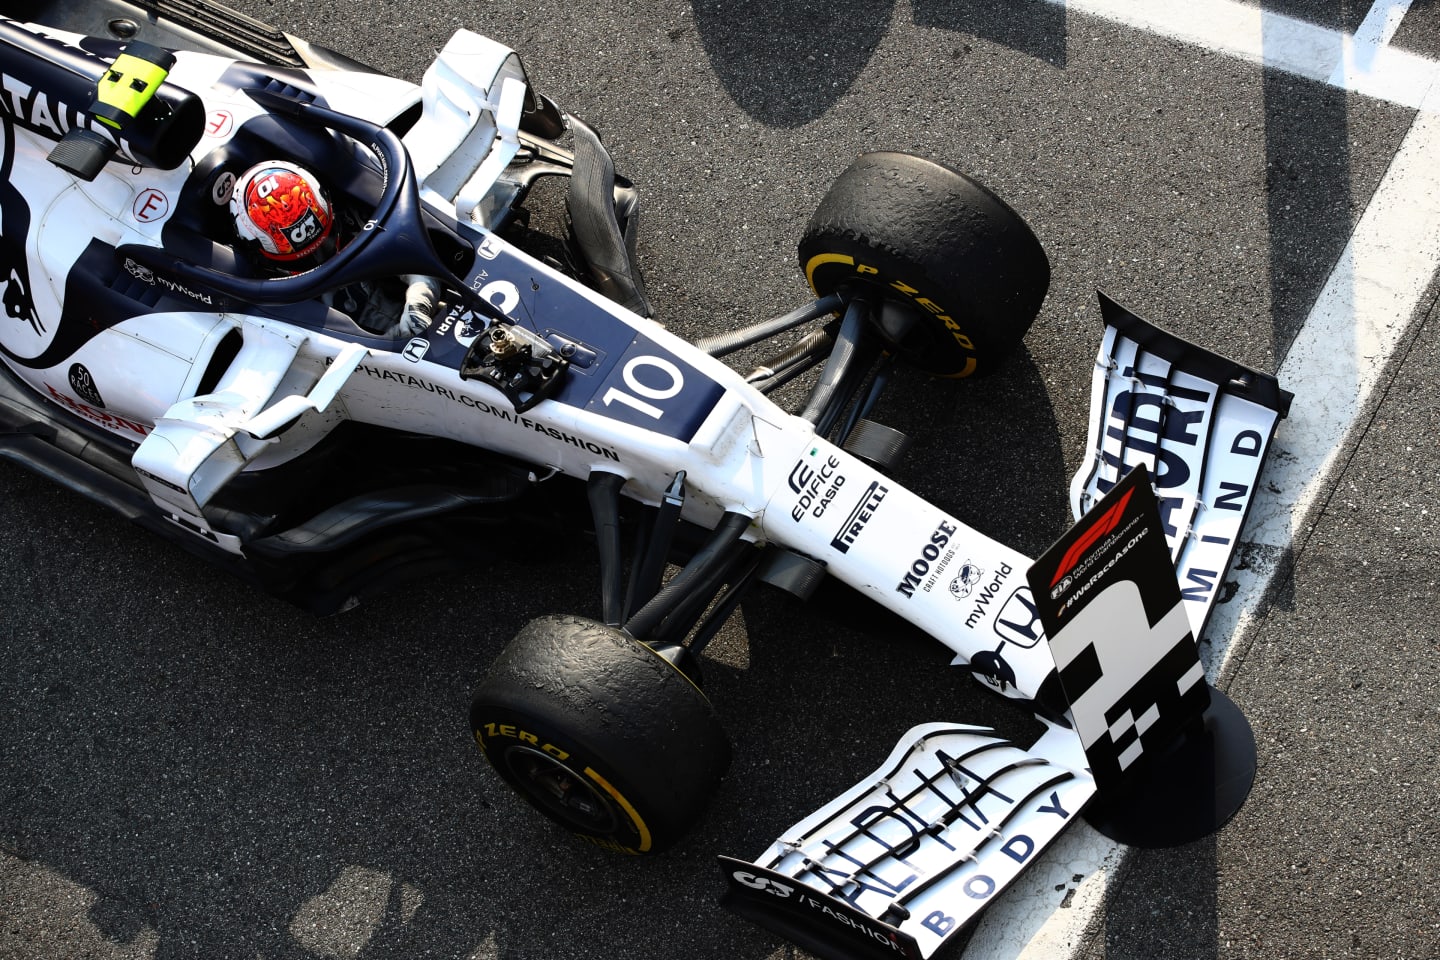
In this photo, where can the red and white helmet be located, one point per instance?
(282, 207)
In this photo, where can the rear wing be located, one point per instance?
(908, 857)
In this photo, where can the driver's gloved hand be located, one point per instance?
(421, 296)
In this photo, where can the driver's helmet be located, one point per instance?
(282, 207)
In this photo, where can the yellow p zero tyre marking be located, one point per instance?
(634, 814)
(819, 260)
(900, 286)
(969, 369)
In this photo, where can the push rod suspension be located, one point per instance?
(654, 550)
(715, 553)
(746, 577)
(691, 606)
(726, 343)
(604, 491)
(838, 378)
(784, 367)
(872, 394)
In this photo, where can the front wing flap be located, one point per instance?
(907, 857)
(1199, 422)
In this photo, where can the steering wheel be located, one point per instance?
(393, 241)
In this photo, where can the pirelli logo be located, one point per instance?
(854, 524)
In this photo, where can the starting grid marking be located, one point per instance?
(1366, 307)
(1363, 62)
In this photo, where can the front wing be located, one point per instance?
(909, 856)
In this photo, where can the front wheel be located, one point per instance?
(600, 734)
(956, 276)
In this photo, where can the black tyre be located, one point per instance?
(959, 275)
(600, 734)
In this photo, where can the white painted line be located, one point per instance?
(1334, 366)
(1380, 24)
(1374, 32)
(1279, 42)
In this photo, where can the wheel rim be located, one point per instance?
(903, 326)
(555, 787)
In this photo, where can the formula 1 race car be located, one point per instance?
(445, 374)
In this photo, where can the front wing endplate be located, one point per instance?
(907, 857)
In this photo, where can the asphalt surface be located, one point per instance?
(191, 769)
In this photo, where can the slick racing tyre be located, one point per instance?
(600, 734)
(957, 275)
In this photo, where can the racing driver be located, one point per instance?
(281, 210)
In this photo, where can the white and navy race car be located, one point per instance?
(265, 421)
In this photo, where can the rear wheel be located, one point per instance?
(956, 275)
(600, 734)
